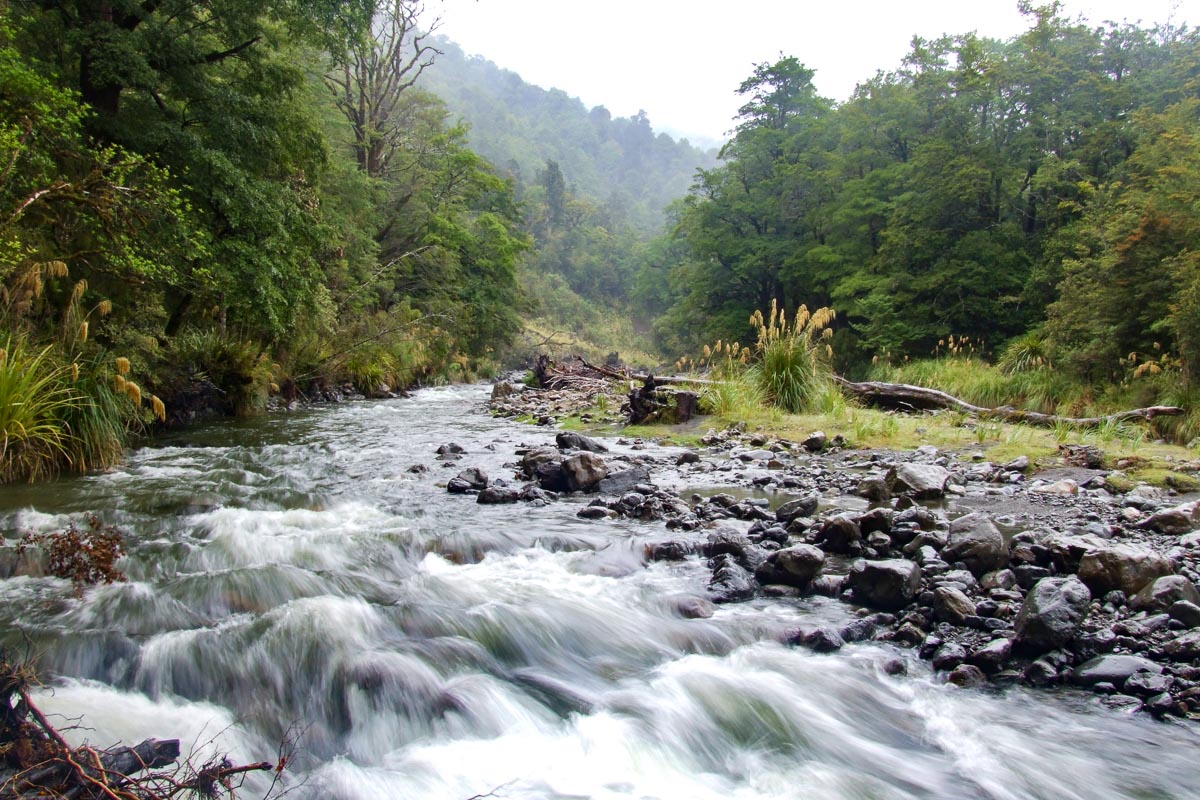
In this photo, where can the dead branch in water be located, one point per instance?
(37, 763)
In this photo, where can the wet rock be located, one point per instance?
(859, 630)
(920, 516)
(817, 638)
(1124, 567)
(839, 534)
(888, 585)
(730, 581)
(792, 566)
(1184, 647)
(1165, 592)
(418, 469)
(1018, 464)
(1114, 669)
(967, 676)
(952, 605)
(804, 506)
(625, 480)
(992, 656)
(670, 551)
(1041, 673)
(693, 607)
(877, 519)
(450, 448)
(948, 656)
(894, 666)
(469, 480)
(977, 542)
(595, 512)
(828, 585)
(583, 471)
(919, 481)
(1051, 613)
(1003, 579)
(874, 488)
(687, 457)
(495, 495)
(1145, 684)
(1187, 614)
(1160, 705)
(569, 440)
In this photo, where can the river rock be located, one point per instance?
(1175, 521)
(450, 449)
(952, 605)
(919, 481)
(469, 480)
(691, 607)
(792, 566)
(804, 506)
(495, 495)
(1051, 613)
(622, 481)
(1184, 647)
(818, 638)
(1122, 566)
(948, 656)
(569, 440)
(1164, 592)
(1114, 669)
(730, 581)
(874, 488)
(992, 656)
(967, 676)
(839, 534)
(888, 585)
(583, 471)
(1187, 614)
(977, 542)
(815, 442)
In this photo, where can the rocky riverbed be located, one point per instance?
(996, 573)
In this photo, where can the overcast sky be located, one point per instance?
(682, 60)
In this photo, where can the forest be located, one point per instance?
(204, 205)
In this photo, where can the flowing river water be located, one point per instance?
(289, 573)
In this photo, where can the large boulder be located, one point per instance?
(792, 566)
(887, 585)
(1122, 566)
(583, 471)
(1051, 613)
(1175, 521)
(1185, 647)
(1164, 593)
(622, 481)
(977, 542)
(1113, 668)
(920, 481)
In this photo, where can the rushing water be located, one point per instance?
(290, 573)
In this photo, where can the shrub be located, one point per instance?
(793, 366)
(35, 396)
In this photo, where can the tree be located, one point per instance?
(369, 79)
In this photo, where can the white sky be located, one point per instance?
(682, 60)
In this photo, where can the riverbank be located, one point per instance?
(1013, 561)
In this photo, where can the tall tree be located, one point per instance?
(370, 78)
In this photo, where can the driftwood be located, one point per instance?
(909, 397)
(36, 762)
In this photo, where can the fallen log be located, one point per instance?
(913, 398)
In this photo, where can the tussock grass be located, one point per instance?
(36, 395)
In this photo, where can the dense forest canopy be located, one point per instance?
(222, 199)
(1041, 188)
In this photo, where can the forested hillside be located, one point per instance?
(618, 163)
(1040, 191)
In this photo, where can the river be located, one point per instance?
(289, 575)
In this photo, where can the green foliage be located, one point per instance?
(792, 366)
(236, 365)
(35, 395)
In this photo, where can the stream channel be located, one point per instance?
(291, 572)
